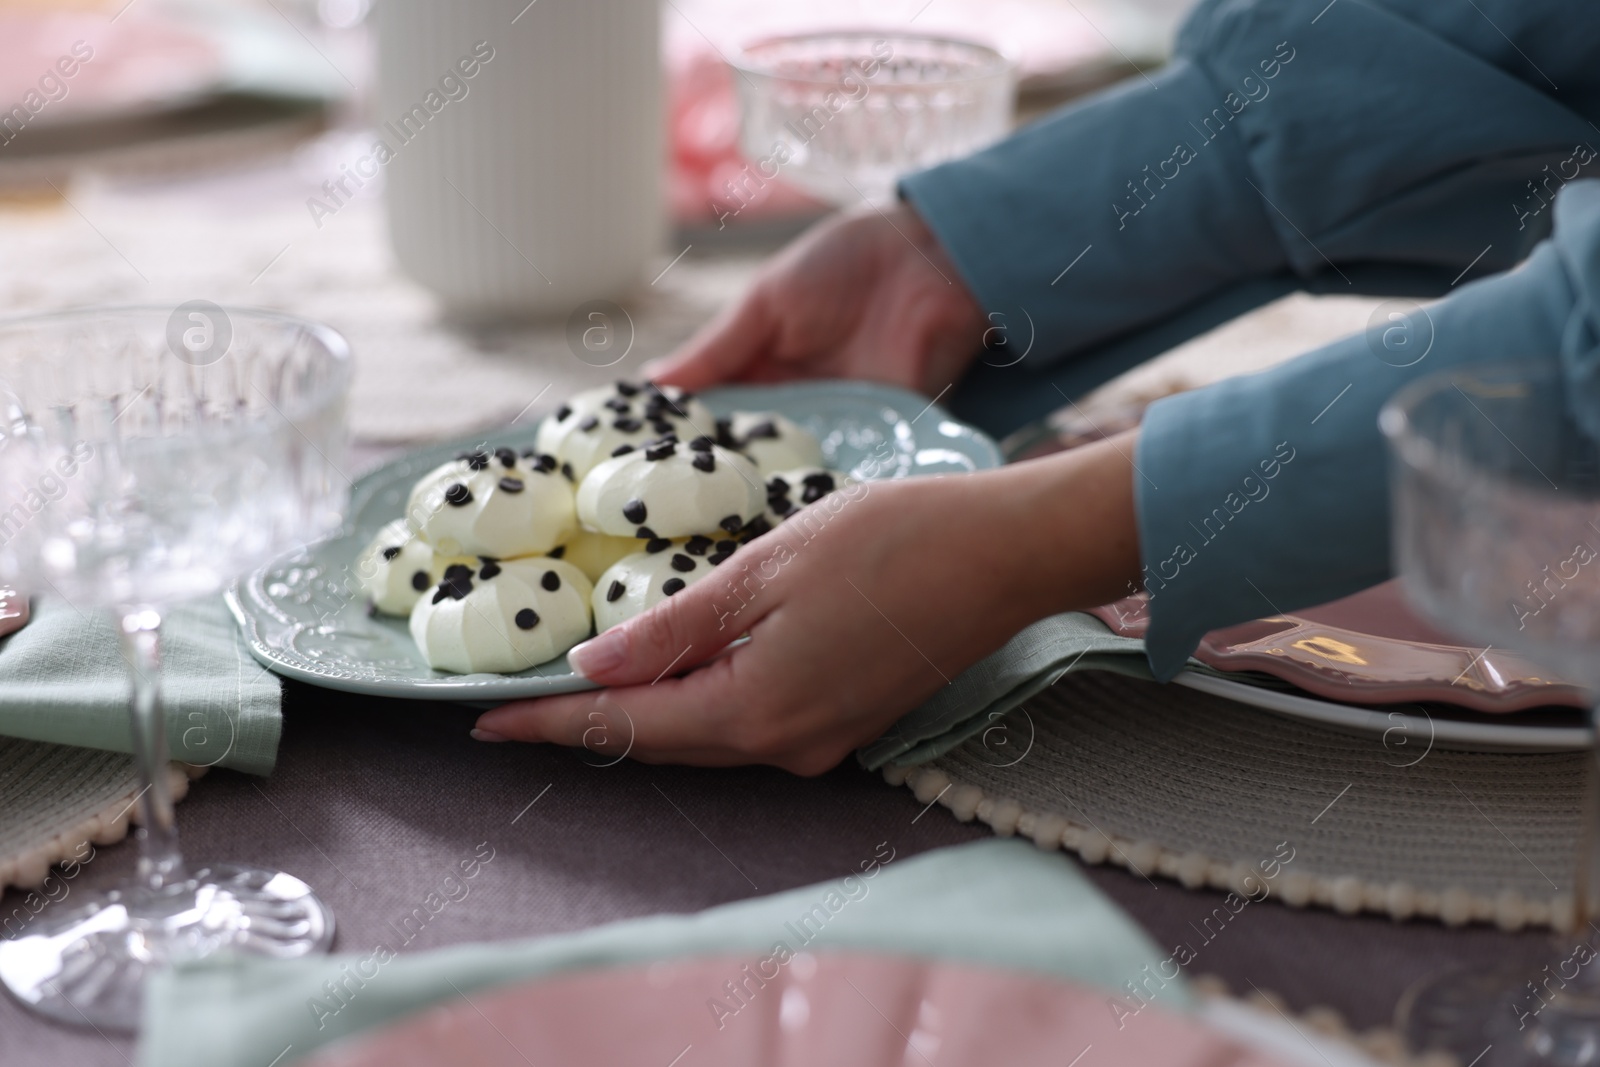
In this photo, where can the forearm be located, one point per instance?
(1067, 524)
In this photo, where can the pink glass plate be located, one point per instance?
(842, 1009)
(1369, 648)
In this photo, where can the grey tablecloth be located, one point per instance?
(373, 800)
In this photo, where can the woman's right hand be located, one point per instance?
(868, 294)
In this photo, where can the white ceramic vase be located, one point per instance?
(527, 161)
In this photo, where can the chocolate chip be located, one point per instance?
(551, 581)
(644, 533)
(635, 511)
(764, 429)
(391, 552)
(717, 557)
(698, 545)
(776, 484)
(621, 407)
(756, 527)
(822, 478)
(732, 523)
(489, 570)
(456, 583)
(512, 485)
(727, 546)
(616, 590)
(566, 469)
(725, 436)
(627, 424)
(657, 544)
(683, 563)
(546, 463)
(627, 388)
(782, 506)
(476, 460)
(702, 443)
(661, 451)
(589, 423)
(705, 461)
(457, 495)
(420, 581)
(558, 551)
(527, 619)
(506, 456)
(562, 412)
(661, 426)
(621, 450)
(673, 585)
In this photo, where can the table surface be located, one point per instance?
(374, 800)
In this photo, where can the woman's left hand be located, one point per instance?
(858, 608)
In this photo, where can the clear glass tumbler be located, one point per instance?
(1496, 494)
(845, 114)
(147, 456)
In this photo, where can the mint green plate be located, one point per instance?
(304, 616)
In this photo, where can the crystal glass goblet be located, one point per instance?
(147, 456)
(845, 114)
(1496, 494)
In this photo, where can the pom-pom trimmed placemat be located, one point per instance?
(1170, 782)
(58, 800)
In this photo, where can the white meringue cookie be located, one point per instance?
(593, 552)
(772, 441)
(683, 491)
(638, 582)
(396, 568)
(493, 504)
(592, 426)
(502, 617)
(789, 491)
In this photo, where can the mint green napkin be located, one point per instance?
(63, 680)
(1003, 681)
(983, 694)
(995, 902)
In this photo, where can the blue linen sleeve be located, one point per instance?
(1267, 493)
(1286, 135)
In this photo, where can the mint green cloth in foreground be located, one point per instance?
(997, 902)
(63, 680)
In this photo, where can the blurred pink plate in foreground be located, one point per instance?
(1369, 648)
(836, 1008)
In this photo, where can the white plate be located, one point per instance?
(1418, 728)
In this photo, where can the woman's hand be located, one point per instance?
(858, 609)
(869, 294)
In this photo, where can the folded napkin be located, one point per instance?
(1000, 903)
(63, 680)
(982, 695)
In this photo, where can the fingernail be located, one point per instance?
(599, 654)
(488, 735)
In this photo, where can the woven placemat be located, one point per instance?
(1169, 782)
(58, 802)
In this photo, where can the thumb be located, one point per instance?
(721, 350)
(680, 632)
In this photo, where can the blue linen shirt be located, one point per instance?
(1309, 138)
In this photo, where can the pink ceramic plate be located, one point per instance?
(1369, 648)
(836, 1008)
